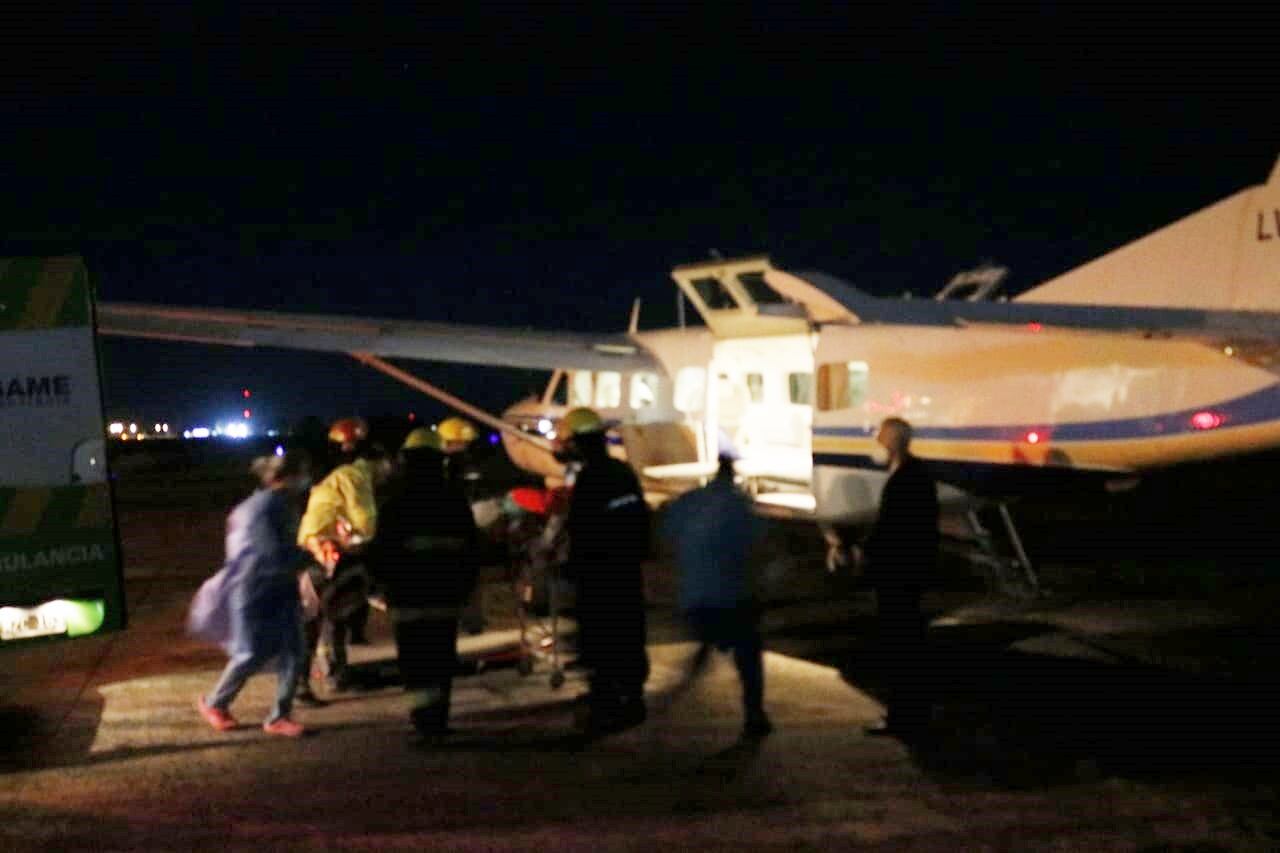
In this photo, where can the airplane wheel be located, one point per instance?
(557, 680)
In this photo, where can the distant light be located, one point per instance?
(157, 429)
(552, 435)
(201, 432)
(544, 425)
(133, 429)
(237, 431)
(493, 438)
(116, 428)
(273, 432)
(245, 393)
(413, 416)
(164, 427)
(1033, 437)
(1206, 420)
(1228, 351)
(186, 433)
(279, 450)
(247, 413)
(1035, 327)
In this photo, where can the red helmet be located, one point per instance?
(348, 432)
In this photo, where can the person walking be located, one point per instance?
(260, 594)
(712, 530)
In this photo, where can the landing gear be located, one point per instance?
(1014, 575)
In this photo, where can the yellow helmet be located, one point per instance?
(579, 421)
(456, 430)
(420, 438)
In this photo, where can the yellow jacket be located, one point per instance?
(346, 493)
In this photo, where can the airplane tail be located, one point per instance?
(1225, 257)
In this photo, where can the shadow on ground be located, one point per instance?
(1012, 718)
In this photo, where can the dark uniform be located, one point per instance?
(608, 528)
(902, 555)
(424, 557)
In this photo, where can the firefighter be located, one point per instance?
(341, 518)
(608, 528)
(424, 558)
(454, 436)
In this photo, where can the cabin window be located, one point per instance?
(801, 385)
(758, 289)
(644, 390)
(842, 385)
(608, 389)
(713, 294)
(580, 388)
(691, 389)
(755, 387)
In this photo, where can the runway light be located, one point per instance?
(201, 432)
(1206, 420)
(1033, 437)
(116, 428)
(133, 429)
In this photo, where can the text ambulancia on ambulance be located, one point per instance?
(60, 572)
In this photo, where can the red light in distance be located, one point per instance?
(1033, 437)
(247, 413)
(1206, 420)
(245, 393)
(1035, 327)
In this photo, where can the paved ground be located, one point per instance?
(1056, 729)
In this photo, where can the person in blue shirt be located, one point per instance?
(713, 530)
(259, 592)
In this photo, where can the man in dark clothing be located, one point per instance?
(901, 555)
(425, 558)
(608, 528)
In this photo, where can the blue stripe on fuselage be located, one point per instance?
(1258, 407)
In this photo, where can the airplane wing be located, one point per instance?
(447, 342)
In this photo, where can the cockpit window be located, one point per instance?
(713, 294)
(759, 290)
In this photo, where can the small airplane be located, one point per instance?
(1163, 351)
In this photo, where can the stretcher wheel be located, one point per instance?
(524, 666)
(557, 680)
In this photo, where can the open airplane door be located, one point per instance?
(60, 569)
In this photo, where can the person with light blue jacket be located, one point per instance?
(713, 530)
(257, 595)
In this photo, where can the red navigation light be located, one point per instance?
(1033, 437)
(247, 413)
(1206, 420)
(245, 393)
(413, 416)
(1034, 326)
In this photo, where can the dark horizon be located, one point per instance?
(521, 168)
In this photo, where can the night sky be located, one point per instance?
(537, 166)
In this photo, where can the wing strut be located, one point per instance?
(448, 399)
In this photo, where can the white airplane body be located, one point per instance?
(1162, 352)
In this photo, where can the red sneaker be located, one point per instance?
(284, 727)
(216, 717)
